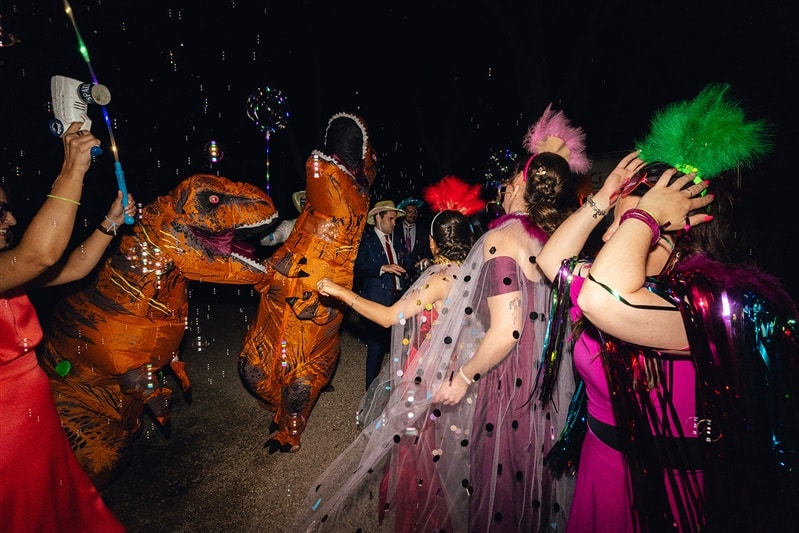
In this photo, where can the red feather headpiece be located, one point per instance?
(451, 193)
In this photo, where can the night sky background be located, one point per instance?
(441, 84)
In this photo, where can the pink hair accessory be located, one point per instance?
(554, 133)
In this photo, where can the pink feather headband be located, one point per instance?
(554, 133)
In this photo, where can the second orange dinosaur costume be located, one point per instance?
(292, 348)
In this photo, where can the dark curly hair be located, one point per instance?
(453, 234)
(725, 239)
(550, 189)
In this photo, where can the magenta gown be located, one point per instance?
(603, 494)
(42, 486)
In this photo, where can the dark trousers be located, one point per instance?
(377, 345)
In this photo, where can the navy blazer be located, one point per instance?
(371, 256)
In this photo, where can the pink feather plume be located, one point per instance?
(556, 124)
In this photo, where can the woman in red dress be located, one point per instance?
(42, 486)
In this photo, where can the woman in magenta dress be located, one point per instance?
(688, 358)
(42, 486)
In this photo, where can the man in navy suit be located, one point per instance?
(381, 277)
(413, 237)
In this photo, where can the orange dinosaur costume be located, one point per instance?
(292, 348)
(107, 342)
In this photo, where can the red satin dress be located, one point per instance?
(42, 486)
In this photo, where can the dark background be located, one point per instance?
(441, 84)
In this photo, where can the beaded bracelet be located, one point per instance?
(647, 218)
(597, 211)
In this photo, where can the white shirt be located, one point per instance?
(386, 237)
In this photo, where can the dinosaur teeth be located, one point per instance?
(258, 266)
(260, 223)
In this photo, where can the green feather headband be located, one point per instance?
(706, 135)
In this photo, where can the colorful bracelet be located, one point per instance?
(597, 211)
(647, 218)
(70, 200)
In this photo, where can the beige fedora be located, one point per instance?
(380, 207)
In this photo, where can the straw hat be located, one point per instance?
(380, 207)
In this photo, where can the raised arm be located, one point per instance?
(614, 298)
(43, 242)
(570, 237)
(86, 256)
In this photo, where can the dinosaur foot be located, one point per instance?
(274, 445)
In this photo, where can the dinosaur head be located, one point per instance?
(202, 224)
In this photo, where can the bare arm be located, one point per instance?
(48, 234)
(621, 266)
(570, 237)
(386, 316)
(505, 311)
(86, 256)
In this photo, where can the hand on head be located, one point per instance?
(671, 204)
(619, 176)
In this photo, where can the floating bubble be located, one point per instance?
(268, 109)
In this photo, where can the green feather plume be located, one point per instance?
(706, 135)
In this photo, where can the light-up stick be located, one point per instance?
(117, 165)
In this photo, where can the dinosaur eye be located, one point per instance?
(214, 199)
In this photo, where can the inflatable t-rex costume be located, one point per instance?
(107, 342)
(292, 348)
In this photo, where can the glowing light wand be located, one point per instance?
(120, 174)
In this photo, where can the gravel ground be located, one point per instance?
(209, 471)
